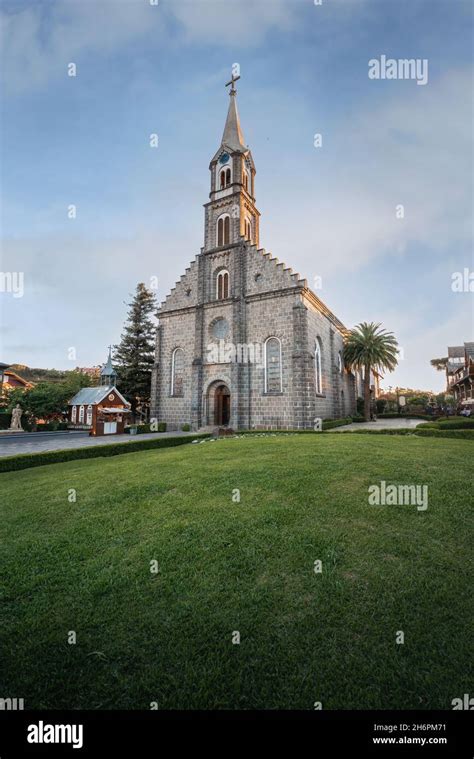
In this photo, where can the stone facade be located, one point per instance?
(237, 334)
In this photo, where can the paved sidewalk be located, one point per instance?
(381, 424)
(36, 442)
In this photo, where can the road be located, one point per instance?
(35, 442)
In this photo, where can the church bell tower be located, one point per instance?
(231, 213)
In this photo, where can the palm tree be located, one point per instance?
(370, 347)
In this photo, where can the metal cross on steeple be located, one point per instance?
(232, 81)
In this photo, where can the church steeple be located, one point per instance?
(108, 375)
(231, 213)
(233, 139)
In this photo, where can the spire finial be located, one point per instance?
(231, 83)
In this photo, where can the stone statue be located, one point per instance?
(15, 423)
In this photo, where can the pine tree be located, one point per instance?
(133, 357)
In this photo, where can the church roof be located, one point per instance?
(107, 370)
(94, 395)
(232, 138)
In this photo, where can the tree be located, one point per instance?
(439, 363)
(133, 357)
(369, 347)
(47, 400)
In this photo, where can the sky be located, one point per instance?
(331, 211)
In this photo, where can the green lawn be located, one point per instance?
(246, 567)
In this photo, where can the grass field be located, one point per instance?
(247, 567)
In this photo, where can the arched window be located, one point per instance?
(81, 414)
(246, 180)
(318, 376)
(222, 285)
(73, 413)
(224, 178)
(223, 230)
(177, 372)
(273, 379)
(248, 229)
(340, 363)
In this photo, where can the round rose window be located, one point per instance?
(220, 329)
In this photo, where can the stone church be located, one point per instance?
(242, 341)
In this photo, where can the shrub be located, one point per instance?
(427, 432)
(393, 415)
(51, 426)
(329, 424)
(380, 404)
(460, 423)
(358, 419)
(27, 460)
(459, 434)
(186, 428)
(161, 426)
(5, 421)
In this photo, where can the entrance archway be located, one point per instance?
(221, 405)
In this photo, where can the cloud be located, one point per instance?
(224, 22)
(412, 150)
(38, 43)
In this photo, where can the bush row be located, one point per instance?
(25, 461)
(427, 432)
(329, 424)
(394, 415)
(141, 428)
(460, 434)
(461, 423)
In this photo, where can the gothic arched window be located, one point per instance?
(273, 378)
(177, 372)
(222, 285)
(248, 229)
(318, 376)
(223, 230)
(246, 180)
(340, 363)
(224, 178)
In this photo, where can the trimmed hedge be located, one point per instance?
(27, 460)
(329, 424)
(141, 428)
(51, 426)
(5, 420)
(417, 432)
(461, 423)
(394, 415)
(459, 434)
